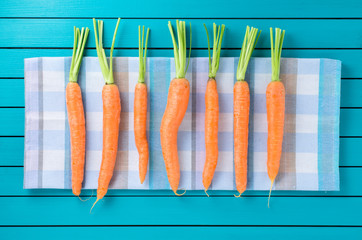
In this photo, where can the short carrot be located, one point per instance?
(177, 101)
(275, 106)
(75, 111)
(140, 108)
(212, 108)
(241, 110)
(111, 113)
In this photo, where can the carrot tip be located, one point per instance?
(272, 181)
(238, 196)
(207, 193)
(94, 205)
(177, 194)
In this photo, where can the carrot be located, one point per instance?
(275, 106)
(177, 101)
(212, 108)
(75, 110)
(241, 110)
(111, 113)
(140, 108)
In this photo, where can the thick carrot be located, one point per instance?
(241, 110)
(140, 109)
(111, 113)
(212, 108)
(177, 101)
(275, 106)
(75, 111)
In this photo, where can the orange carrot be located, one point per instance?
(140, 109)
(241, 110)
(111, 113)
(177, 101)
(275, 106)
(75, 110)
(212, 108)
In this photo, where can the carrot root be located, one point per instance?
(271, 186)
(94, 205)
(207, 193)
(177, 194)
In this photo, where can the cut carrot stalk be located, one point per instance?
(177, 101)
(75, 111)
(212, 108)
(275, 106)
(111, 112)
(241, 110)
(140, 108)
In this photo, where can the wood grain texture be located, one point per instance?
(180, 232)
(327, 33)
(185, 9)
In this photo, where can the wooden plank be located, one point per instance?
(188, 8)
(182, 211)
(53, 33)
(12, 93)
(178, 233)
(12, 60)
(11, 183)
(351, 94)
(12, 124)
(12, 121)
(11, 151)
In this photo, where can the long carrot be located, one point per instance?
(212, 108)
(241, 110)
(177, 101)
(275, 106)
(111, 113)
(75, 110)
(140, 108)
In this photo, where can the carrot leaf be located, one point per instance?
(142, 54)
(107, 70)
(276, 52)
(180, 49)
(218, 35)
(249, 43)
(80, 38)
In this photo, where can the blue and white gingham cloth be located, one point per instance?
(310, 159)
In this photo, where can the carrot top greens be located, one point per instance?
(142, 54)
(214, 62)
(180, 50)
(276, 52)
(80, 38)
(250, 40)
(107, 71)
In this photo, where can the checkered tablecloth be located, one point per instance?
(310, 159)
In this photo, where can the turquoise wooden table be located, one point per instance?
(315, 29)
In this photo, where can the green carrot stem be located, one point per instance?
(218, 36)
(180, 49)
(276, 52)
(142, 54)
(107, 71)
(80, 38)
(250, 39)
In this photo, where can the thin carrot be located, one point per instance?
(75, 111)
(140, 108)
(275, 106)
(241, 110)
(212, 108)
(177, 101)
(111, 112)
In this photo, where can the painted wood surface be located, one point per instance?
(315, 29)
